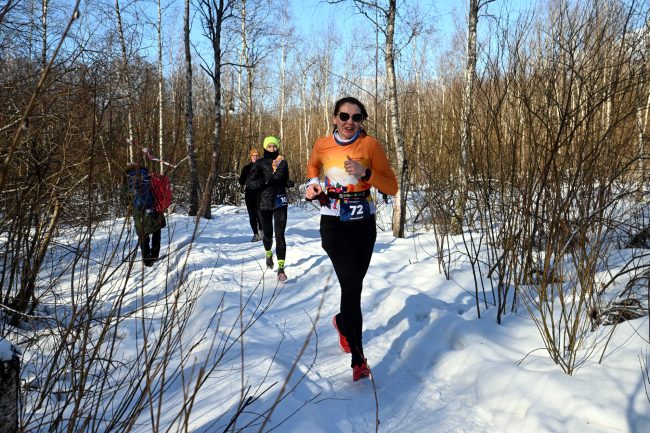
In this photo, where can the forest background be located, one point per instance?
(525, 130)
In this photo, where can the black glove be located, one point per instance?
(322, 198)
(290, 183)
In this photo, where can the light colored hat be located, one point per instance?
(271, 140)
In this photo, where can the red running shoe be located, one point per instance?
(343, 342)
(360, 371)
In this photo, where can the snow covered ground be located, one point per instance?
(435, 365)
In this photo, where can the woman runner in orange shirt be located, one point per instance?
(352, 162)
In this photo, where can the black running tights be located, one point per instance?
(150, 247)
(253, 214)
(277, 217)
(349, 246)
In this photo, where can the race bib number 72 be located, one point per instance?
(354, 209)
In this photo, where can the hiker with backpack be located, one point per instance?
(269, 177)
(352, 162)
(147, 212)
(250, 196)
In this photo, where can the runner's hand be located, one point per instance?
(313, 191)
(277, 161)
(353, 168)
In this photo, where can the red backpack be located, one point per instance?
(162, 192)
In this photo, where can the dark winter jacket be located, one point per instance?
(139, 198)
(269, 184)
(243, 177)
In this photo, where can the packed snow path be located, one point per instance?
(435, 365)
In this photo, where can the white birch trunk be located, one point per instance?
(125, 71)
(466, 131)
(418, 100)
(399, 206)
(214, 16)
(249, 70)
(160, 90)
(326, 75)
(644, 123)
(442, 123)
(189, 118)
(283, 60)
(44, 6)
(240, 69)
(306, 108)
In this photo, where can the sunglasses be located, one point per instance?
(355, 117)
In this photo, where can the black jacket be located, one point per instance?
(268, 183)
(243, 177)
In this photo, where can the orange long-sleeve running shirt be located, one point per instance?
(328, 157)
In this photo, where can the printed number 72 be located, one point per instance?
(357, 209)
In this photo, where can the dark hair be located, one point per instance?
(353, 101)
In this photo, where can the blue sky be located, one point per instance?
(312, 13)
(444, 19)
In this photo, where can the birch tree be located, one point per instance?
(383, 16)
(283, 79)
(125, 72)
(243, 64)
(285, 46)
(213, 14)
(193, 205)
(160, 88)
(44, 32)
(259, 35)
(399, 207)
(306, 98)
(466, 125)
(642, 116)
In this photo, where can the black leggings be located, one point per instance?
(279, 217)
(150, 251)
(253, 214)
(349, 246)
(148, 225)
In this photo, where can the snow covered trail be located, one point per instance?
(436, 366)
